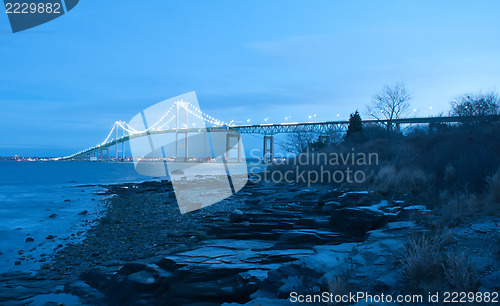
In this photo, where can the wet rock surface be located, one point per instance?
(255, 248)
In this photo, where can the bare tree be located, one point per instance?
(393, 102)
(476, 105)
(335, 135)
(298, 142)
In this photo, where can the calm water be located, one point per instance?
(30, 192)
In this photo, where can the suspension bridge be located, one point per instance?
(170, 122)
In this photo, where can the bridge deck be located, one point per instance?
(321, 127)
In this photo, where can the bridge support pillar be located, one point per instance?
(117, 136)
(186, 157)
(105, 157)
(268, 148)
(122, 151)
(93, 156)
(116, 145)
(230, 147)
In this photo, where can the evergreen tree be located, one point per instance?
(355, 124)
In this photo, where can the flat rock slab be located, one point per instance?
(485, 227)
(234, 254)
(324, 260)
(262, 302)
(20, 288)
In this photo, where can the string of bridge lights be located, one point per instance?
(163, 117)
(166, 124)
(186, 105)
(109, 135)
(126, 127)
(208, 118)
(131, 130)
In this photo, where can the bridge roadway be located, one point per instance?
(321, 127)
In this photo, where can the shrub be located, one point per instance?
(427, 266)
(422, 260)
(493, 193)
(459, 207)
(460, 273)
(423, 164)
(407, 180)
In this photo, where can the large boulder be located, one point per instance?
(142, 279)
(236, 216)
(331, 206)
(330, 195)
(85, 292)
(411, 212)
(293, 283)
(130, 284)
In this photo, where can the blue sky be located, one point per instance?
(64, 84)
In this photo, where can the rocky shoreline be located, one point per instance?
(256, 248)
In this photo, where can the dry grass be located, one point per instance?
(460, 207)
(427, 265)
(460, 273)
(407, 180)
(339, 283)
(493, 193)
(422, 261)
(450, 173)
(494, 187)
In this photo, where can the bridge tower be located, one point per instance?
(117, 144)
(102, 156)
(181, 105)
(268, 148)
(229, 147)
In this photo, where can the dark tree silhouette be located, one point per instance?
(298, 142)
(355, 124)
(476, 105)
